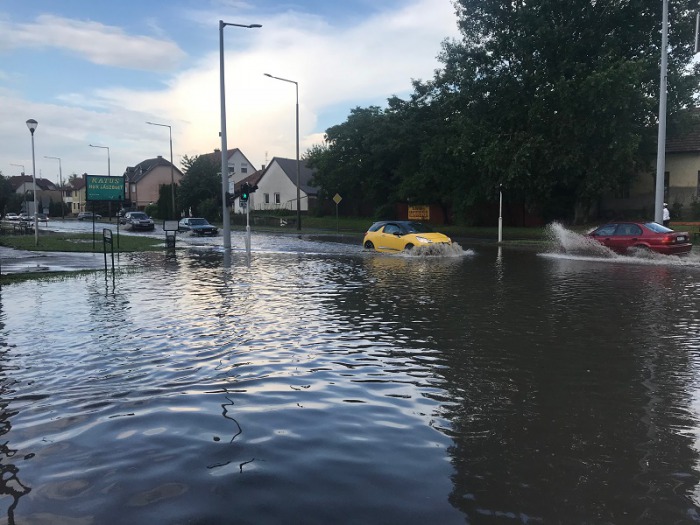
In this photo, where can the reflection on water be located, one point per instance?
(329, 383)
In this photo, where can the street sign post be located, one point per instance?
(337, 198)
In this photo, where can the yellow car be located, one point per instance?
(396, 236)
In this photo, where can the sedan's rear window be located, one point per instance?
(658, 228)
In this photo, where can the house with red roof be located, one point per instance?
(144, 180)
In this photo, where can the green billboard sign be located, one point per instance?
(99, 188)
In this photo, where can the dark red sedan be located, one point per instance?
(621, 237)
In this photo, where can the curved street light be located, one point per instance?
(296, 84)
(60, 181)
(32, 125)
(224, 160)
(109, 174)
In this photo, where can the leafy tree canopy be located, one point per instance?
(555, 100)
(200, 183)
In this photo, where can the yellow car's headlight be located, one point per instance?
(422, 239)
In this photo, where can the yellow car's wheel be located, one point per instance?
(409, 246)
(369, 245)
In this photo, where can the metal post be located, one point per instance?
(296, 84)
(500, 213)
(172, 167)
(661, 141)
(298, 167)
(247, 227)
(32, 125)
(60, 182)
(224, 159)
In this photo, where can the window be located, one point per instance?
(278, 200)
(267, 198)
(244, 167)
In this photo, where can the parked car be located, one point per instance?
(396, 236)
(42, 217)
(11, 217)
(137, 221)
(197, 225)
(622, 237)
(88, 215)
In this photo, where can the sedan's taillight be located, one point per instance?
(668, 239)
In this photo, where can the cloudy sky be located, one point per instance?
(93, 72)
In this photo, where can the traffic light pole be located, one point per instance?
(247, 228)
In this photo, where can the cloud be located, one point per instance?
(93, 41)
(337, 67)
(334, 68)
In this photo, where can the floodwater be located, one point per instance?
(314, 382)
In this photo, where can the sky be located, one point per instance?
(94, 72)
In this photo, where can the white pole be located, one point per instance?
(224, 159)
(36, 209)
(500, 213)
(661, 141)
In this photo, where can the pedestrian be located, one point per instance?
(667, 215)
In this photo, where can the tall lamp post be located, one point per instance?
(172, 169)
(661, 141)
(60, 181)
(224, 159)
(109, 173)
(296, 84)
(32, 124)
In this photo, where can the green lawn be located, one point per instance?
(78, 242)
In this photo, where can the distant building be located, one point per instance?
(277, 187)
(75, 195)
(239, 167)
(681, 176)
(144, 180)
(46, 192)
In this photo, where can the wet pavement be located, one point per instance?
(23, 261)
(312, 381)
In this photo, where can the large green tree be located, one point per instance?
(555, 101)
(200, 188)
(559, 98)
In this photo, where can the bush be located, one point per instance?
(694, 208)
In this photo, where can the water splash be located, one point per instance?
(567, 243)
(438, 250)
(571, 242)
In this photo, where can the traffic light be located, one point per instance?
(245, 192)
(231, 197)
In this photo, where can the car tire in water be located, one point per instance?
(369, 245)
(409, 246)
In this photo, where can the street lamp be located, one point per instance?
(661, 140)
(500, 213)
(60, 181)
(296, 84)
(224, 160)
(32, 124)
(109, 174)
(172, 169)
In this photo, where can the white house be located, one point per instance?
(277, 187)
(239, 167)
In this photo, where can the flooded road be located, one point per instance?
(315, 382)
